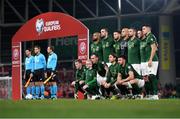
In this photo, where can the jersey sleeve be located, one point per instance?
(129, 68)
(152, 40)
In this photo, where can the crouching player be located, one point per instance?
(79, 76)
(89, 85)
(100, 72)
(28, 74)
(112, 77)
(39, 69)
(128, 77)
(51, 71)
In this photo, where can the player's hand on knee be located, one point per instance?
(81, 82)
(85, 86)
(107, 85)
(145, 78)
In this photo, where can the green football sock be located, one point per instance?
(154, 83)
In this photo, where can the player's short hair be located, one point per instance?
(95, 54)
(29, 49)
(119, 31)
(114, 55)
(88, 60)
(122, 56)
(139, 30)
(126, 28)
(78, 60)
(147, 25)
(134, 29)
(106, 29)
(96, 33)
(51, 47)
(37, 47)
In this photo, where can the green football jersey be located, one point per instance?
(134, 51)
(142, 50)
(112, 73)
(97, 49)
(150, 39)
(79, 75)
(107, 48)
(99, 67)
(124, 71)
(117, 47)
(90, 76)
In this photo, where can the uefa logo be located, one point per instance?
(15, 54)
(82, 47)
(39, 25)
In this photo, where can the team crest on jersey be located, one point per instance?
(97, 49)
(114, 45)
(107, 44)
(39, 25)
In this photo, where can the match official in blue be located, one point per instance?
(39, 72)
(51, 71)
(29, 70)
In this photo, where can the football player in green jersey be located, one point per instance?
(112, 76)
(79, 76)
(96, 46)
(128, 76)
(134, 50)
(90, 83)
(117, 46)
(151, 60)
(101, 70)
(107, 44)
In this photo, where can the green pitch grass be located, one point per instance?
(88, 108)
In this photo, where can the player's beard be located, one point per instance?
(130, 36)
(102, 37)
(116, 39)
(95, 40)
(123, 37)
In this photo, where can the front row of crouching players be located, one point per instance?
(86, 80)
(98, 81)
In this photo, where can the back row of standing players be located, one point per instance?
(124, 65)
